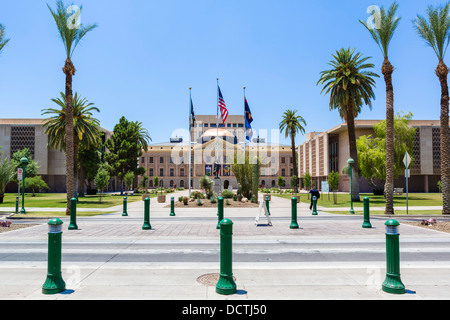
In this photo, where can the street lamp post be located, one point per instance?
(24, 162)
(351, 162)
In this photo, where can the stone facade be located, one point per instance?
(323, 152)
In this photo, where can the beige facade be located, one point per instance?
(323, 152)
(16, 134)
(170, 161)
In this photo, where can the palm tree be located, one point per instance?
(143, 136)
(350, 85)
(71, 37)
(85, 127)
(435, 30)
(388, 24)
(291, 125)
(3, 40)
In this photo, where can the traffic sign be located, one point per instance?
(20, 174)
(407, 160)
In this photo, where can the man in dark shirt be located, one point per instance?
(314, 193)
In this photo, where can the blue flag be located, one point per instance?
(248, 121)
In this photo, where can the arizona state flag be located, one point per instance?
(248, 121)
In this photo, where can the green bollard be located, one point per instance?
(393, 284)
(226, 284)
(73, 214)
(172, 207)
(125, 201)
(219, 211)
(54, 283)
(294, 224)
(147, 225)
(314, 212)
(267, 204)
(367, 224)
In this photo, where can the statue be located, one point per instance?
(216, 170)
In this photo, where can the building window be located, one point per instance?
(334, 157)
(21, 138)
(161, 172)
(161, 159)
(151, 159)
(181, 172)
(283, 160)
(182, 183)
(171, 159)
(283, 172)
(171, 172)
(171, 183)
(143, 160)
(150, 172)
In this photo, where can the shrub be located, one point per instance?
(213, 199)
(185, 201)
(227, 202)
(199, 202)
(226, 194)
(180, 199)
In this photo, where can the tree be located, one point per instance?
(71, 33)
(125, 149)
(383, 35)
(128, 178)
(101, 181)
(307, 181)
(144, 183)
(294, 183)
(36, 184)
(435, 30)
(372, 150)
(350, 85)
(243, 171)
(86, 128)
(3, 40)
(156, 182)
(291, 125)
(281, 182)
(7, 173)
(32, 167)
(333, 181)
(89, 161)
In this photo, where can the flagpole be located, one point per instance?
(245, 135)
(190, 139)
(217, 138)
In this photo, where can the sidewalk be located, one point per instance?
(111, 257)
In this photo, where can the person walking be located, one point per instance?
(314, 193)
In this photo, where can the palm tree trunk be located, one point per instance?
(387, 71)
(294, 159)
(353, 152)
(442, 73)
(69, 71)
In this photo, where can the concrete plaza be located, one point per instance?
(329, 257)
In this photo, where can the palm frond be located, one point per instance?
(435, 29)
(70, 37)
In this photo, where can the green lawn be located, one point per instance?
(343, 200)
(58, 200)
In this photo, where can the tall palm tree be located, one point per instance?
(292, 124)
(71, 36)
(383, 35)
(350, 85)
(85, 127)
(3, 40)
(435, 30)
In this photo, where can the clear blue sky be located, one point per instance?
(145, 54)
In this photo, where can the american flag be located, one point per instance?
(223, 107)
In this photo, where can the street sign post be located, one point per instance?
(407, 162)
